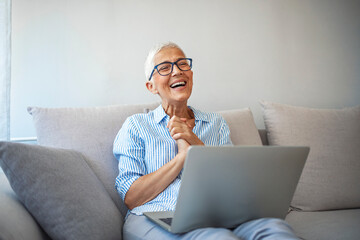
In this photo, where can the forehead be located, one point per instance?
(168, 55)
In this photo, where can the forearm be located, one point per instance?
(149, 186)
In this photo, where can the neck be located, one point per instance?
(179, 110)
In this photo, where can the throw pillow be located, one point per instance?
(15, 221)
(61, 191)
(330, 179)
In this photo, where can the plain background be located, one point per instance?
(82, 53)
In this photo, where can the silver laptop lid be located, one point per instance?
(226, 186)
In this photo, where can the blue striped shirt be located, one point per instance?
(144, 144)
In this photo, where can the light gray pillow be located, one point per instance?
(331, 176)
(243, 130)
(61, 191)
(90, 131)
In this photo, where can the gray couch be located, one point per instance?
(63, 187)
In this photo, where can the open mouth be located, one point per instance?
(178, 84)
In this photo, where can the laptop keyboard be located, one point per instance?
(166, 220)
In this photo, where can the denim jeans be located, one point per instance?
(139, 227)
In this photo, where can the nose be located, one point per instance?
(176, 70)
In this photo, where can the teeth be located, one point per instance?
(178, 84)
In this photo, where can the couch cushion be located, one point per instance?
(15, 221)
(243, 130)
(61, 191)
(330, 179)
(90, 131)
(339, 224)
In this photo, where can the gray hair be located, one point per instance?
(149, 62)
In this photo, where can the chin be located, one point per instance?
(183, 98)
(179, 100)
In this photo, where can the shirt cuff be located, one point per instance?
(126, 184)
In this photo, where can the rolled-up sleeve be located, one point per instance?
(129, 150)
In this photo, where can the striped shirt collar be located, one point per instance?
(159, 114)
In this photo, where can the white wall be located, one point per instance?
(68, 53)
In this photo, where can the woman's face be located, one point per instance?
(165, 85)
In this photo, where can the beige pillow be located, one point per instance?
(331, 176)
(90, 131)
(243, 130)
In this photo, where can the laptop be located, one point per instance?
(227, 186)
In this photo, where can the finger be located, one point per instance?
(176, 130)
(173, 119)
(185, 120)
(177, 123)
(173, 131)
(177, 136)
(182, 136)
(172, 125)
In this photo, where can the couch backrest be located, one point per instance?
(92, 131)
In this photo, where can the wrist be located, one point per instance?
(181, 156)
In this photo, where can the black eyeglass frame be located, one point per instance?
(172, 67)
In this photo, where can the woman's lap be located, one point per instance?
(139, 227)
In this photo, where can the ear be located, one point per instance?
(150, 86)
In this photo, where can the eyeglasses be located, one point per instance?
(165, 68)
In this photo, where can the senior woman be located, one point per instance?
(151, 149)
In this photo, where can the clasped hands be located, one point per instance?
(181, 130)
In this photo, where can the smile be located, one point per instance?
(178, 84)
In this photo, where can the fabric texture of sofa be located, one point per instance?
(63, 188)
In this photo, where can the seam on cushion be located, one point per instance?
(86, 164)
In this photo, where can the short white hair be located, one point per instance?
(149, 62)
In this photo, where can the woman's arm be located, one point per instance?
(147, 187)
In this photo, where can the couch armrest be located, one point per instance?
(16, 223)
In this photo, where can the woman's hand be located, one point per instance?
(181, 130)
